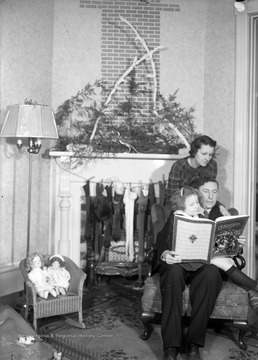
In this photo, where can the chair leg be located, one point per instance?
(79, 324)
(147, 317)
(242, 327)
(81, 320)
(27, 309)
(35, 322)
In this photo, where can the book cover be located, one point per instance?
(200, 239)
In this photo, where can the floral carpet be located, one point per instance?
(112, 315)
(113, 326)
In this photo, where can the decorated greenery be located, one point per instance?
(135, 133)
(97, 119)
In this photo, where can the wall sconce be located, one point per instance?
(33, 123)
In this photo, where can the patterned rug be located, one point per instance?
(113, 328)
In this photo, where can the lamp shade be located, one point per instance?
(30, 121)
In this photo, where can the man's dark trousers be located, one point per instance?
(205, 285)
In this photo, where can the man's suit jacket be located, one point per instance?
(215, 212)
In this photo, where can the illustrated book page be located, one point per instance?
(227, 230)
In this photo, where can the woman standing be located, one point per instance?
(200, 163)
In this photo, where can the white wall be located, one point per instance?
(50, 49)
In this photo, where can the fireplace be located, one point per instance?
(67, 197)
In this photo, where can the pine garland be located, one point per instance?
(88, 123)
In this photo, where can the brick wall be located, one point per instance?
(118, 42)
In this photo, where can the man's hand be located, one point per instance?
(170, 257)
(242, 240)
(224, 211)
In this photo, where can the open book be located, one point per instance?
(200, 239)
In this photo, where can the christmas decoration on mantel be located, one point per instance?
(89, 125)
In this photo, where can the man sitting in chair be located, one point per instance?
(209, 190)
(203, 279)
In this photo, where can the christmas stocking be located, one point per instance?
(118, 203)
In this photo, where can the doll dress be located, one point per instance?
(39, 279)
(58, 277)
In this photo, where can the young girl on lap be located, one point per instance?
(186, 202)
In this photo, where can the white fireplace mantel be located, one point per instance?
(66, 189)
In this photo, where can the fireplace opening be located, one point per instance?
(103, 243)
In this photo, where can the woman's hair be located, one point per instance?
(57, 258)
(29, 260)
(199, 141)
(177, 200)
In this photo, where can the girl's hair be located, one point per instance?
(29, 260)
(178, 198)
(57, 258)
(199, 141)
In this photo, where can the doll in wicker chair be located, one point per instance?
(38, 276)
(58, 275)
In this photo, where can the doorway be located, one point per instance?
(255, 62)
(254, 118)
(245, 189)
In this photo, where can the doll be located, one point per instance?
(38, 276)
(57, 356)
(58, 275)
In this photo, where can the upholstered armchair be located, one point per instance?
(63, 304)
(232, 304)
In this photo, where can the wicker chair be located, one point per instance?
(63, 304)
(232, 304)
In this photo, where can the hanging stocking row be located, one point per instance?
(118, 217)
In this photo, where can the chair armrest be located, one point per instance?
(77, 281)
(150, 256)
(233, 211)
(77, 276)
(239, 261)
(30, 289)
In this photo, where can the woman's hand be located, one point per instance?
(170, 257)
